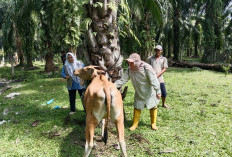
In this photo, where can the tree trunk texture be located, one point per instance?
(103, 40)
(196, 45)
(188, 53)
(16, 59)
(28, 45)
(216, 67)
(148, 50)
(19, 49)
(165, 50)
(209, 55)
(29, 61)
(2, 62)
(49, 67)
(176, 32)
(169, 49)
(12, 65)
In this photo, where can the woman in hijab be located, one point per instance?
(74, 83)
(147, 88)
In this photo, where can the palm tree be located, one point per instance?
(8, 34)
(10, 10)
(45, 14)
(180, 7)
(211, 48)
(146, 22)
(19, 21)
(104, 49)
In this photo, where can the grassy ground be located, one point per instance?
(198, 124)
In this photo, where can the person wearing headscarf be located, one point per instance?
(147, 88)
(74, 83)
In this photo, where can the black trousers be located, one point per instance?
(72, 98)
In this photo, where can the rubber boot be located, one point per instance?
(153, 115)
(135, 119)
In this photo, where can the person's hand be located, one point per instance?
(158, 96)
(157, 75)
(67, 77)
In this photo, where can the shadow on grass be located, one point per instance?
(74, 143)
(52, 125)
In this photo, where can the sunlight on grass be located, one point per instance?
(198, 123)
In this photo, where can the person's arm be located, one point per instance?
(154, 81)
(162, 71)
(165, 66)
(124, 79)
(63, 74)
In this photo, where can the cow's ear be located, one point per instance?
(90, 71)
(93, 73)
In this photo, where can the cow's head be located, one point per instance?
(88, 72)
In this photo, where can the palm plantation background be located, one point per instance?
(100, 32)
(193, 34)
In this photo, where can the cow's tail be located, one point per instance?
(108, 103)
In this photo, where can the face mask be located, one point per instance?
(136, 65)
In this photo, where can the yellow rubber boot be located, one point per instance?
(135, 119)
(153, 115)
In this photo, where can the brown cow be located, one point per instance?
(101, 98)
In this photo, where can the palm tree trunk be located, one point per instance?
(49, 62)
(19, 49)
(188, 54)
(169, 46)
(196, 47)
(209, 36)
(176, 32)
(165, 50)
(147, 50)
(104, 49)
(29, 61)
(2, 64)
(12, 64)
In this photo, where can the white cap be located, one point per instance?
(134, 57)
(159, 47)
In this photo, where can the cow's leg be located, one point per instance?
(120, 129)
(90, 127)
(103, 127)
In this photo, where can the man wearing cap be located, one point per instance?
(159, 64)
(147, 88)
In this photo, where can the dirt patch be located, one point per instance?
(69, 120)
(139, 138)
(100, 149)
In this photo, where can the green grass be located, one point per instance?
(198, 123)
(27, 75)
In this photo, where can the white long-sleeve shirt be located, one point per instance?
(146, 86)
